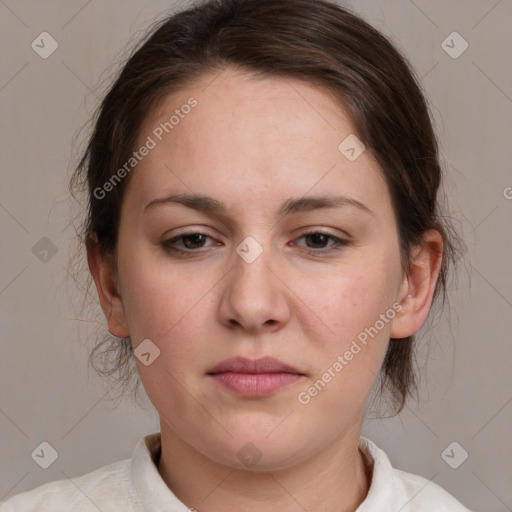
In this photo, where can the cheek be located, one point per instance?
(155, 296)
(344, 303)
(167, 309)
(350, 308)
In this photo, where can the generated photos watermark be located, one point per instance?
(304, 397)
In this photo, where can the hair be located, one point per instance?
(318, 43)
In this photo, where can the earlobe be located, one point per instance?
(105, 277)
(417, 290)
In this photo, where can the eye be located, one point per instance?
(320, 238)
(188, 243)
(191, 241)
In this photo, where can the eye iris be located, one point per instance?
(318, 238)
(197, 239)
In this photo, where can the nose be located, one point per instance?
(254, 297)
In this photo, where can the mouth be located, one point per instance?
(254, 378)
(262, 365)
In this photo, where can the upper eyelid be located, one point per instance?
(308, 231)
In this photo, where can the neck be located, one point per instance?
(336, 478)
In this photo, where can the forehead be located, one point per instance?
(252, 139)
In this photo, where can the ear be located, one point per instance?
(104, 275)
(417, 290)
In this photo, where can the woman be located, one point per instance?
(265, 239)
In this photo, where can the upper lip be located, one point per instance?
(262, 365)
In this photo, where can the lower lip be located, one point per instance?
(255, 384)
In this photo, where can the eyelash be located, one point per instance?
(339, 243)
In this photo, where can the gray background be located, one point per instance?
(47, 392)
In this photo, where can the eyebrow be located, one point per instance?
(210, 205)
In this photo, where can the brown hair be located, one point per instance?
(310, 40)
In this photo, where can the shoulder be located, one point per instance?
(425, 495)
(84, 493)
(393, 488)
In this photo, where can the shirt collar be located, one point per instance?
(383, 492)
(156, 496)
(153, 491)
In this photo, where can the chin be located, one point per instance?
(260, 452)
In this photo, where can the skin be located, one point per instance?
(252, 144)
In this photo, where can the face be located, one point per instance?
(252, 279)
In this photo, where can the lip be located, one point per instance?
(265, 364)
(254, 378)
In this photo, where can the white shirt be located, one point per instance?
(134, 485)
